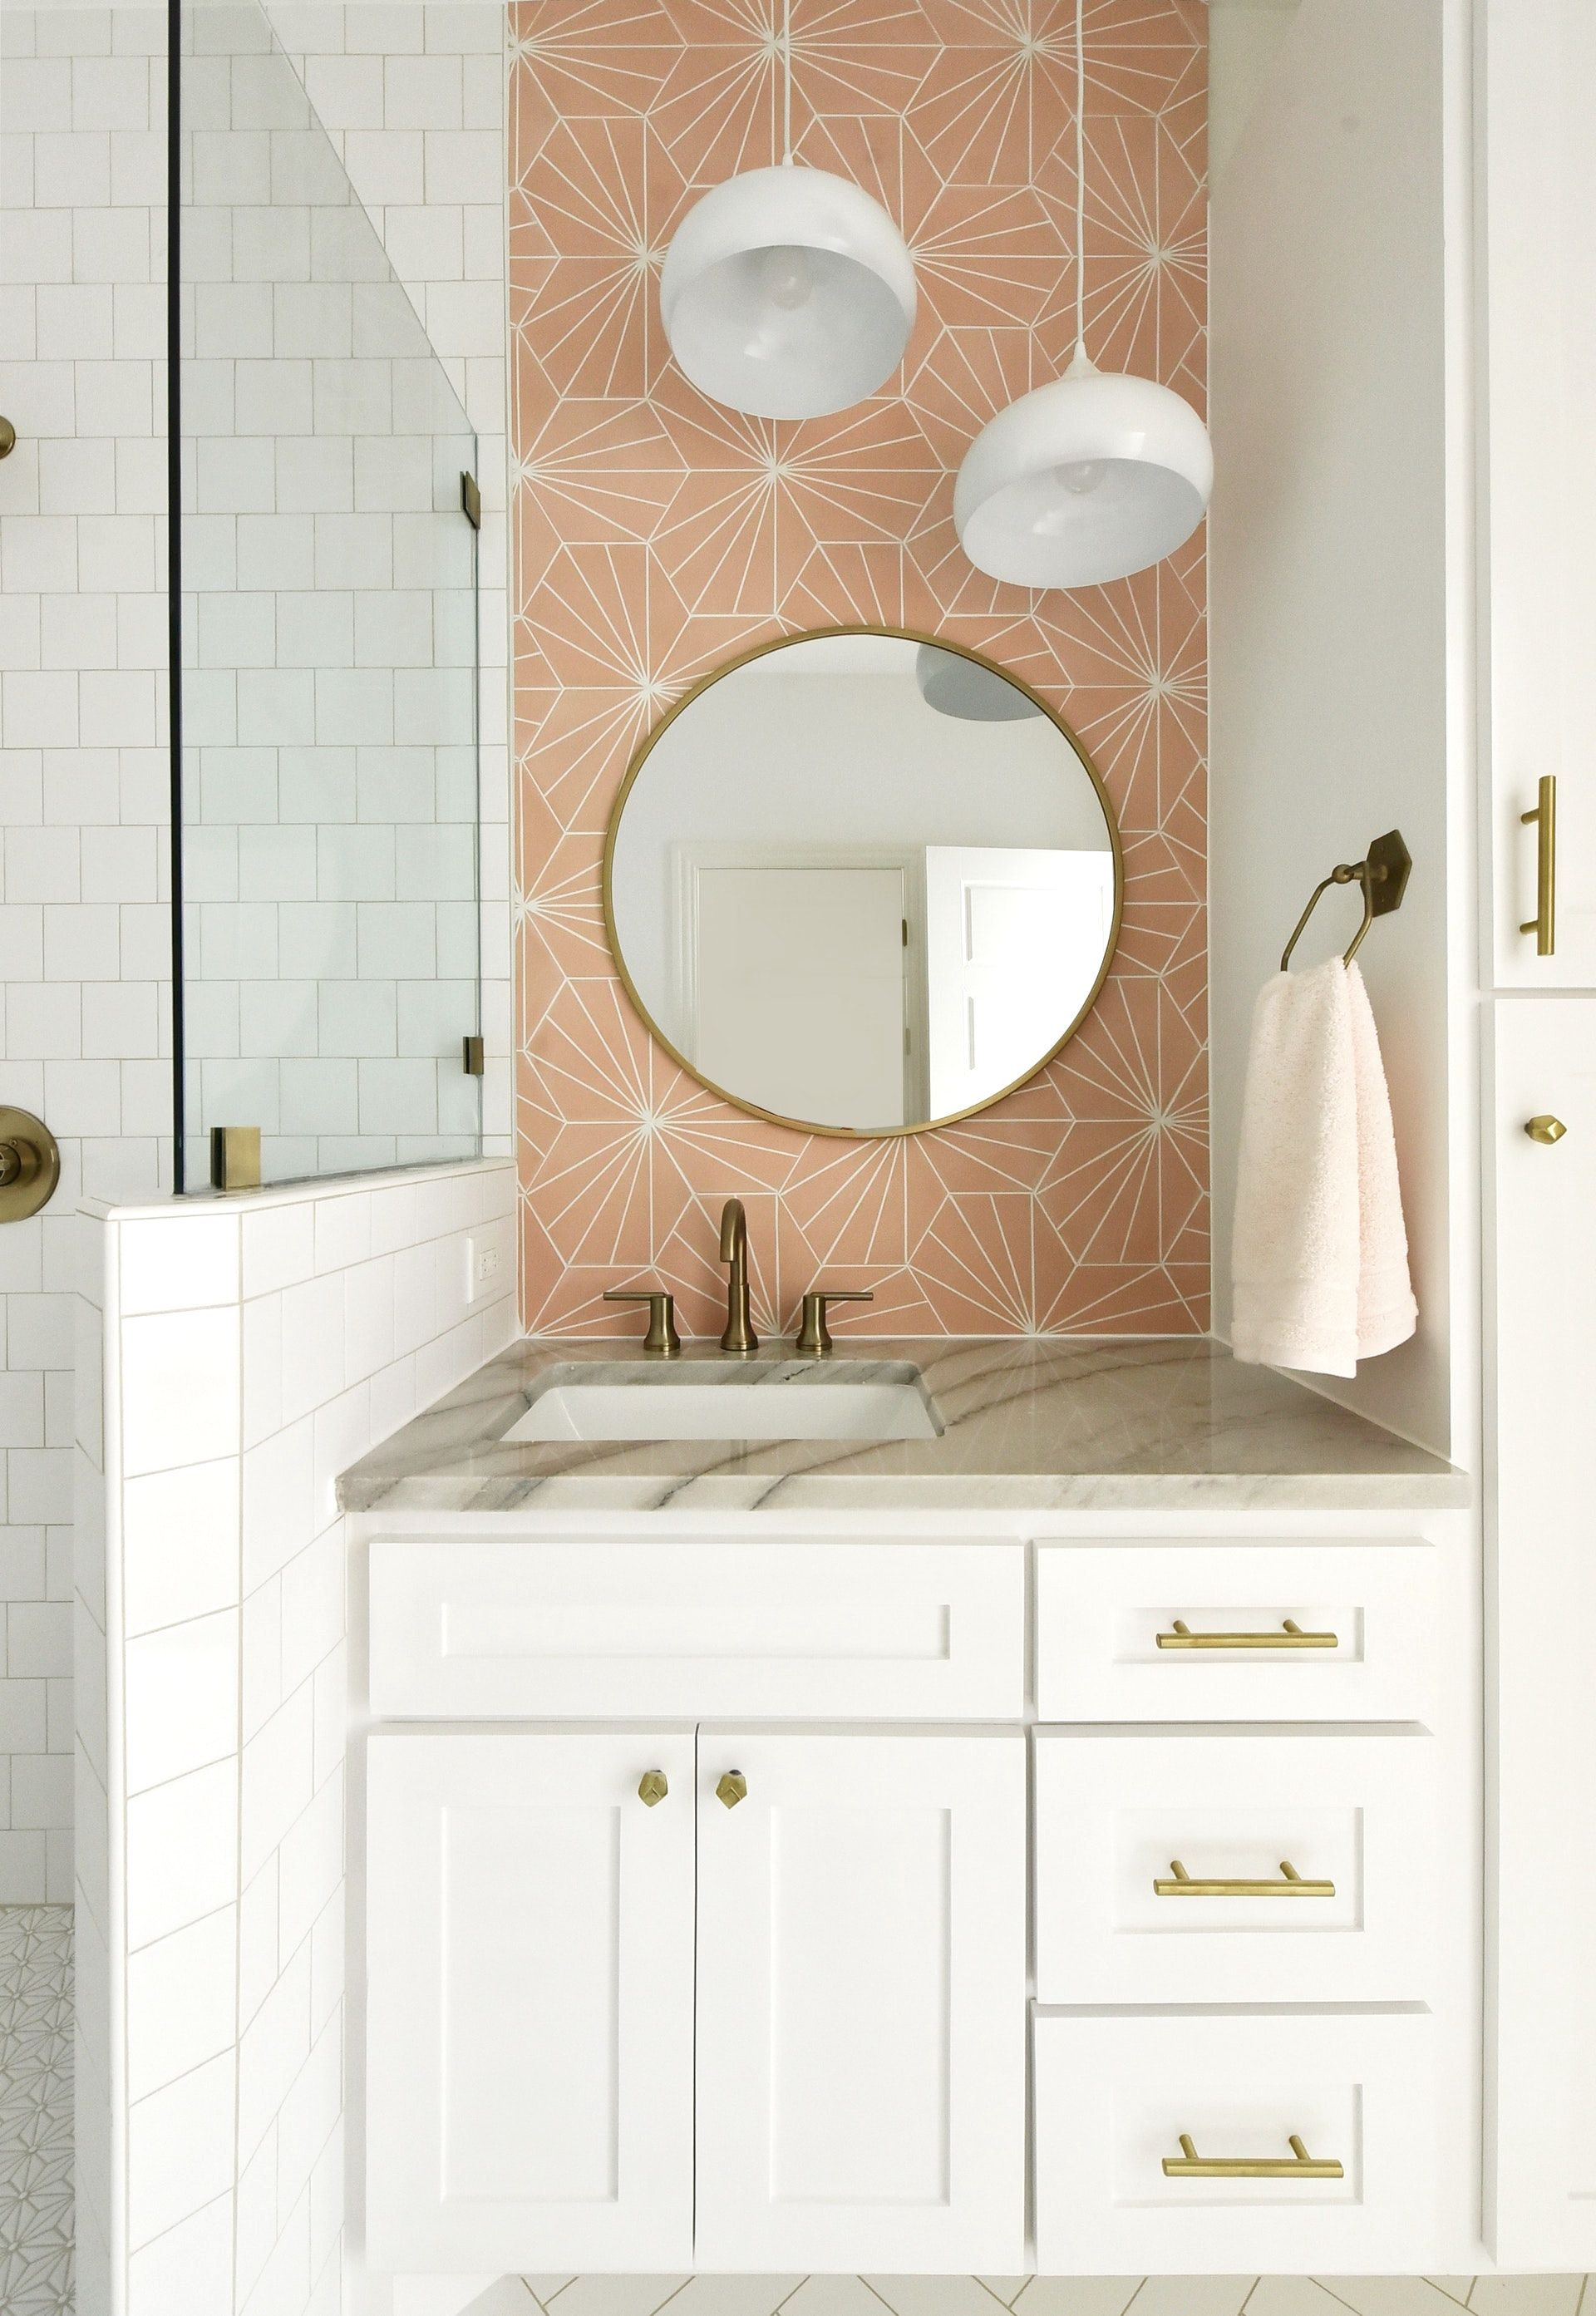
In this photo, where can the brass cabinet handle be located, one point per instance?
(1544, 1127)
(1190, 2165)
(814, 1340)
(652, 1787)
(1291, 1885)
(732, 1789)
(662, 1341)
(1290, 1636)
(1543, 924)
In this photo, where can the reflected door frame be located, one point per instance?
(690, 863)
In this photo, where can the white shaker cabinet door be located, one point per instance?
(1540, 172)
(1541, 1602)
(861, 2002)
(529, 2028)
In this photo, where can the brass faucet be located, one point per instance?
(739, 1334)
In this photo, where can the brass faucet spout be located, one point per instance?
(739, 1334)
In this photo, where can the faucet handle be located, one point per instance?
(662, 1341)
(814, 1340)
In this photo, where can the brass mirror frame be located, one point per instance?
(640, 757)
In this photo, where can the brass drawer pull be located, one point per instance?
(732, 1789)
(1543, 924)
(1190, 2165)
(652, 1787)
(1292, 1885)
(1290, 1636)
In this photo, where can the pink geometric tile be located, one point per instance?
(655, 534)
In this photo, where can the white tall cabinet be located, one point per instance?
(1537, 180)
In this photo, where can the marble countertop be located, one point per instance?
(1029, 1422)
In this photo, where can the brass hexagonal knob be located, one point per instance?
(652, 1787)
(732, 1789)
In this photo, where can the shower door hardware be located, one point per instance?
(470, 499)
(1543, 924)
(7, 438)
(1544, 1127)
(1300, 2164)
(1290, 1636)
(1291, 1885)
(471, 1056)
(29, 1164)
(234, 1157)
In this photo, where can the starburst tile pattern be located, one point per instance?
(36, 2110)
(656, 534)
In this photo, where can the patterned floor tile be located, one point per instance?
(36, 2110)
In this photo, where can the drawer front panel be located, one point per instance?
(1201, 1632)
(1114, 2095)
(504, 1627)
(1160, 1859)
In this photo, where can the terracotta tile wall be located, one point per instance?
(656, 533)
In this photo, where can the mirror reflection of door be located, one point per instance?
(861, 882)
(794, 987)
(1011, 935)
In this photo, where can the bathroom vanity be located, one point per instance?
(1052, 1841)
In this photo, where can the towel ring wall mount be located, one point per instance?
(1383, 873)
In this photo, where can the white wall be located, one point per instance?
(85, 948)
(1336, 598)
(233, 1357)
(415, 98)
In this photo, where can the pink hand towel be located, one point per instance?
(1320, 1253)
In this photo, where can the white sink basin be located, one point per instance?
(725, 1400)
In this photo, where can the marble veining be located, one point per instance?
(1029, 1422)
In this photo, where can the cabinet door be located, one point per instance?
(1542, 1590)
(529, 2073)
(862, 2004)
(1539, 165)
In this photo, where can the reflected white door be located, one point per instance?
(1539, 167)
(530, 2027)
(797, 982)
(862, 2004)
(1015, 942)
(1543, 1593)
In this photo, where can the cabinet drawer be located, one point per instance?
(1121, 1817)
(506, 1628)
(1110, 1646)
(1115, 2094)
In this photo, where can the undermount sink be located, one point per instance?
(725, 1399)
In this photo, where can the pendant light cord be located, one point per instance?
(1080, 180)
(787, 83)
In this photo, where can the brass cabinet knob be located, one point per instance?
(652, 1787)
(1544, 1127)
(732, 1789)
(29, 1164)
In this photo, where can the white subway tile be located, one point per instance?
(276, 1783)
(180, 2149)
(180, 1544)
(182, 2001)
(193, 2262)
(181, 1699)
(180, 1387)
(181, 1852)
(278, 1496)
(185, 1264)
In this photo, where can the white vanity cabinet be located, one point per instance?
(854, 2051)
(752, 1899)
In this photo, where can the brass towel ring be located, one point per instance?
(1383, 874)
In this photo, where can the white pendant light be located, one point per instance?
(1092, 477)
(787, 292)
(968, 689)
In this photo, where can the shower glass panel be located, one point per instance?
(326, 816)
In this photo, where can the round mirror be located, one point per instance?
(863, 882)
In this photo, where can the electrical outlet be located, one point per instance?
(485, 1269)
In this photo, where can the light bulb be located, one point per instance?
(787, 278)
(1081, 477)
